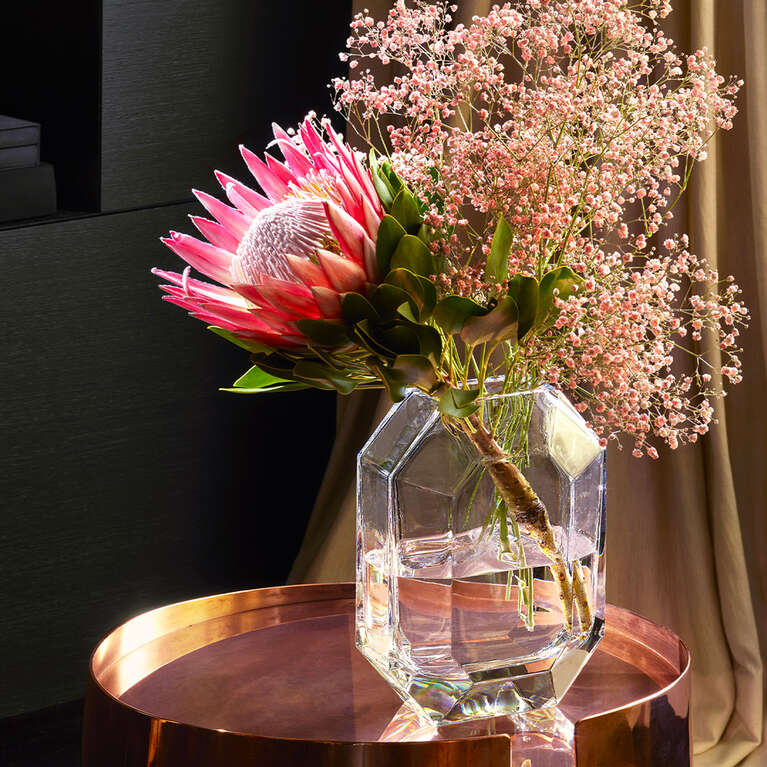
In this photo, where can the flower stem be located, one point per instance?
(533, 519)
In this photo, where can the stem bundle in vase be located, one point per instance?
(505, 224)
(531, 516)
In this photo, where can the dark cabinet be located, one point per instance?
(126, 478)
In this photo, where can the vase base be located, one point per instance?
(539, 738)
(452, 694)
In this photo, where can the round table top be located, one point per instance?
(281, 664)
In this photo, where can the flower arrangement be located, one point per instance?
(504, 231)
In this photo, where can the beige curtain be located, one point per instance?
(687, 535)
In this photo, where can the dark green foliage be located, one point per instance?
(413, 254)
(458, 403)
(326, 333)
(390, 232)
(420, 292)
(566, 282)
(497, 269)
(323, 376)
(405, 210)
(524, 291)
(499, 324)
(355, 308)
(452, 312)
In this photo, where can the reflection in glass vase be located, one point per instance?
(468, 611)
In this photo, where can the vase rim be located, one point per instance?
(544, 387)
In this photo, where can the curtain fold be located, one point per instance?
(687, 535)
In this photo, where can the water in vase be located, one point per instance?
(456, 607)
(487, 627)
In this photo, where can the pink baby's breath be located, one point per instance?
(579, 123)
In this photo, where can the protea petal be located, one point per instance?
(298, 162)
(242, 196)
(214, 310)
(280, 170)
(207, 259)
(371, 263)
(351, 169)
(200, 314)
(308, 272)
(311, 139)
(343, 150)
(371, 218)
(351, 204)
(289, 298)
(234, 220)
(275, 188)
(349, 233)
(328, 300)
(184, 286)
(277, 322)
(216, 234)
(344, 275)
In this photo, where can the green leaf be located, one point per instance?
(566, 282)
(243, 343)
(373, 160)
(365, 334)
(417, 370)
(422, 292)
(401, 338)
(405, 210)
(292, 386)
(390, 232)
(355, 308)
(394, 180)
(394, 382)
(388, 298)
(524, 290)
(458, 403)
(405, 310)
(452, 312)
(408, 370)
(411, 253)
(429, 341)
(500, 324)
(497, 269)
(258, 381)
(383, 190)
(328, 333)
(383, 187)
(256, 378)
(323, 377)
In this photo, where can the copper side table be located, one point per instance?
(271, 678)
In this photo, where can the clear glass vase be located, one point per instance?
(463, 605)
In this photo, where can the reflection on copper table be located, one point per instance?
(271, 677)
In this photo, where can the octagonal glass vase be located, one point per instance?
(459, 606)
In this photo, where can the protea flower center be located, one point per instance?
(292, 227)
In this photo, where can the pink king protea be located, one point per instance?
(285, 256)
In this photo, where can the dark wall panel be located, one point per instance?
(186, 81)
(126, 479)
